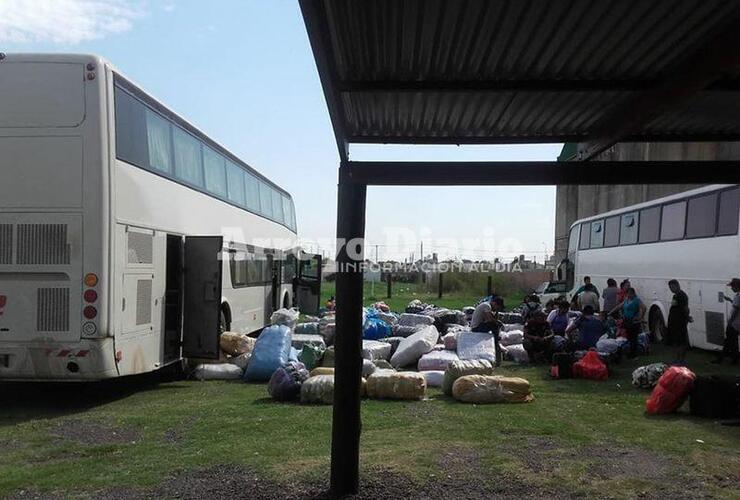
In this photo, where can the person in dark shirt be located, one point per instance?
(538, 338)
(678, 320)
(590, 329)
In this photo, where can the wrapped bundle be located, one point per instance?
(234, 343)
(287, 317)
(285, 383)
(484, 389)
(318, 389)
(224, 371)
(476, 345)
(311, 328)
(373, 349)
(436, 360)
(271, 351)
(434, 378)
(396, 385)
(322, 370)
(460, 368)
(412, 348)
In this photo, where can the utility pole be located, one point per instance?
(372, 283)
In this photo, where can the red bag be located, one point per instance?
(672, 390)
(591, 367)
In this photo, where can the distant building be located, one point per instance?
(575, 202)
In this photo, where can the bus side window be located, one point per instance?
(729, 212)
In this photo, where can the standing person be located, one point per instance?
(633, 312)
(485, 319)
(588, 297)
(538, 338)
(679, 318)
(623, 286)
(730, 346)
(610, 294)
(586, 283)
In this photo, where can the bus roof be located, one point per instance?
(138, 89)
(656, 201)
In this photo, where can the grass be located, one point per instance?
(186, 425)
(403, 293)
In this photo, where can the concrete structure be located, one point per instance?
(575, 202)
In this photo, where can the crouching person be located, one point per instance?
(538, 338)
(589, 327)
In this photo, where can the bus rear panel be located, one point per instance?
(53, 219)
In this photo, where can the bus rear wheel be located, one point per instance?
(657, 326)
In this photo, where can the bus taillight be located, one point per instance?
(90, 296)
(89, 312)
(91, 279)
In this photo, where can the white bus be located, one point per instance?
(691, 236)
(128, 238)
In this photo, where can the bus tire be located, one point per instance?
(224, 319)
(658, 331)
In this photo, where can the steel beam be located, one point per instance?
(522, 173)
(453, 140)
(319, 36)
(462, 86)
(346, 423)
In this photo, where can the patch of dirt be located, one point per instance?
(90, 433)
(422, 409)
(609, 462)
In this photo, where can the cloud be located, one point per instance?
(64, 21)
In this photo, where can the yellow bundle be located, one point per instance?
(387, 384)
(234, 343)
(462, 367)
(322, 370)
(483, 389)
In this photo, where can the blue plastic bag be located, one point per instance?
(271, 351)
(375, 329)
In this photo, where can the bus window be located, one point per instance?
(289, 268)
(235, 183)
(597, 234)
(611, 226)
(253, 193)
(673, 222)
(585, 236)
(729, 212)
(702, 216)
(188, 164)
(265, 200)
(277, 206)
(238, 269)
(629, 229)
(649, 229)
(215, 170)
(159, 142)
(573, 241)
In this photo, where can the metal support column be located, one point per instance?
(345, 439)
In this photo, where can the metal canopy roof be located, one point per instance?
(526, 71)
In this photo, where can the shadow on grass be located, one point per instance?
(24, 401)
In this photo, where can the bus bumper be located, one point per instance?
(53, 361)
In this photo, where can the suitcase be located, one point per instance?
(715, 397)
(562, 365)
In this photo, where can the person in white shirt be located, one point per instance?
(730, 346)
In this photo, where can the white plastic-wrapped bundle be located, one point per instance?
(412, 348)
(388, 317)
(436, 360)
(511, 337)
(476, 345)
(287, 317)
(311, 328)
(241, 360)
(512, 327)
(405, 331)
(225, 371)
(374, 349)
(516, 352)
(450, 341)
(408, 319)
(434, 378)
(608, 346)
(328, 331)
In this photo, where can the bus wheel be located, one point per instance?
(657, 326)
(223, 322)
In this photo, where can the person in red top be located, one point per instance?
(622, 293)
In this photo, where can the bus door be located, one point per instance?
(202, 296)
(713, 309)
(276, 281)
(307, 289)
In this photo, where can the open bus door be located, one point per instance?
(202, 296)
(308, 284)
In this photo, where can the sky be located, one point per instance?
(243, 72)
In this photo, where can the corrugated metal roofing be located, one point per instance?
(512, 70)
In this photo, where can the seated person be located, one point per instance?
(590, 329)
(538, 338)
(529, 306)
(558, 319)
